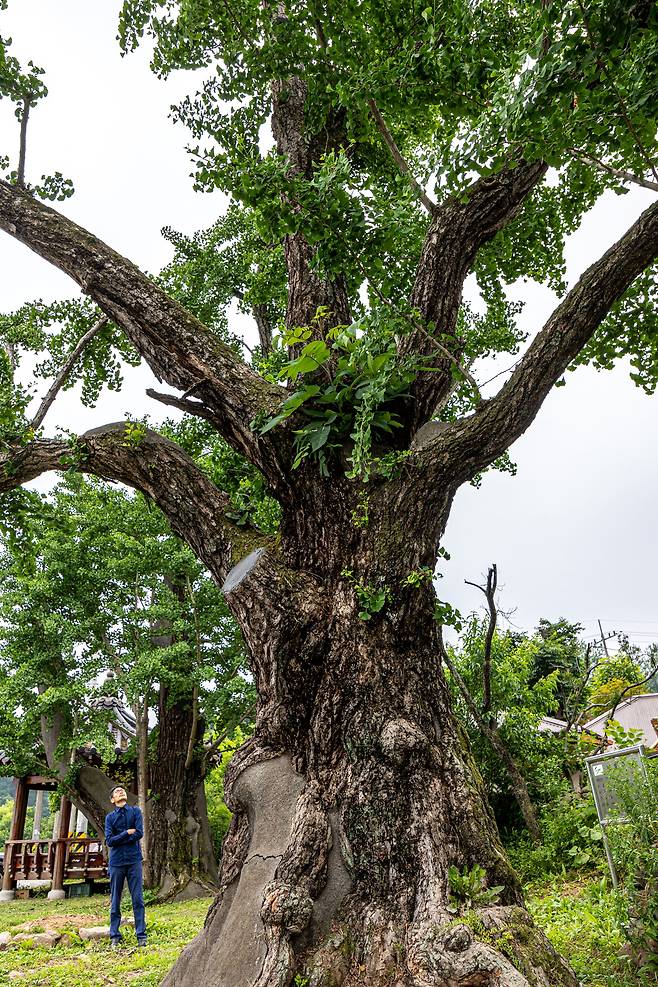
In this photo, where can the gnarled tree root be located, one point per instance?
(491, 947)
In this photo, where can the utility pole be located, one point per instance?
(605, 639)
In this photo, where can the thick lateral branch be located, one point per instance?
(159, 468)
(473, 443)
(455, 235)
(177, 347)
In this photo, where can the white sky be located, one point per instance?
(574, 534)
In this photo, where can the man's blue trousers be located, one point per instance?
(133, 874)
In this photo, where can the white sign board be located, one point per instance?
(605, 771)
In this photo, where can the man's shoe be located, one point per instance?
(116, 944)
(141, 942)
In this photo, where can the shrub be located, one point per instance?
(634, 843)
(581, 919)
(572, 839)
(219, 815)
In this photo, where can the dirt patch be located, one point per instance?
(57, 923)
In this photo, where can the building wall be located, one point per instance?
(634, 714)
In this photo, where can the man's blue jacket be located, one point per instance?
(124, 846)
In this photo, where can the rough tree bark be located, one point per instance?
(357, 790)
(182, 861)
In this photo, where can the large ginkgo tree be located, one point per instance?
(375, 155)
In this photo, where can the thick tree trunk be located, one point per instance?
(357, 791)
(181, 857)
(142, 724)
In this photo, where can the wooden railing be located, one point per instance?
(34, 860)
(29, 860)
(84, 858)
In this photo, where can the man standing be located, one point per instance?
(124, 828)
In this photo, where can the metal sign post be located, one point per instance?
(601, 768)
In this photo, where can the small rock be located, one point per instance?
(45, 939)
(67, 940)
(5, 939)
(15, 975)
(94, 932)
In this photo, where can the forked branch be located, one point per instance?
(623, 176)
(399, 158)
(490, 593)
(458, 230)
(177, 347)
(471, 444)
(62, 376)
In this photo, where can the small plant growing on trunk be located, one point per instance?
(469, 889)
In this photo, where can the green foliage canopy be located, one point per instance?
(107, 602)
(464, 89)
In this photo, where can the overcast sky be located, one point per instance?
(574, 534)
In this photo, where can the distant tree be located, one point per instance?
(613, 676)
(102, 601)
(561, 650)
(219, 815)
(7, 814)
(500, 705)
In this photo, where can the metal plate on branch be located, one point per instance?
(241, 570)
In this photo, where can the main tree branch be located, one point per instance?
(177, 347)
(472, 444)
(307, 292)
(193, 505)
(456, 233)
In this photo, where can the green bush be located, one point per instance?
(634, 843)
(571, 840)
(582, 920)
(219, 815)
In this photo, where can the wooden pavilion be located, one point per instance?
(66, 855)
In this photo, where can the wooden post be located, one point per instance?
(57, 890)
(38, 815)
(16, 833)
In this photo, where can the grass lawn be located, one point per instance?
(95, 964)
(578, 915)
(580, 918)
